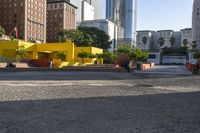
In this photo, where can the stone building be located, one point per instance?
(60, 16)
(24, 19)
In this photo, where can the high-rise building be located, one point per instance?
(196, 22)
(124, 14)
(85, 11)
(60, 16)
(99, 5)
(25, 19)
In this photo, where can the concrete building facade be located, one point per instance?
(196, 22)
(24, 19)
(60, 16)
(140, 36)
(85, 11)
(177, 36)
(186, 34)
(99, 12)
(166, 34)
(105, 25)
(153, 37)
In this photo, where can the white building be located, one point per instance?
(177, 36)
(85, 10)
(139, 39)
(196, 22)
(186, 34)
(105, 25)
(99, 12)
(166, 35)
(153, 37)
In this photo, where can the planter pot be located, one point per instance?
(145, 66)
(190, 67)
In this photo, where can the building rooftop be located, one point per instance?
(97, 20)
(165, 31)
(186, 29)
(145, 31)
(60, 1)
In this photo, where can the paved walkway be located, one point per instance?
(106, 105)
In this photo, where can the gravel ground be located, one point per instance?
(166, 104)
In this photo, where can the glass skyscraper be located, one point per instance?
(124, 14)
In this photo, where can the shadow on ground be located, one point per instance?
(163, 113)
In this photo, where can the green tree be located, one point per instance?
(144, 41)
(196, 54)
(70, 35)
(12, 38)
(133, 53)
(91, 56)
(140, 55)
(86, 36)
(21, 52)
(161, 42)
(83, 55)
(2, 31)
(59, 55)
(108, 57)
(172, 41)
(185, 42)
(100, 38)
(99, 56)
(124, 49)
(86, 41)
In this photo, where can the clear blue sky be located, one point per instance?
(164, 14)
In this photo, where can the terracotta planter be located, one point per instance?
(190, 67)
(40, 62)
(145, 66)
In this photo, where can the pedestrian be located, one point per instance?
(50, 64)
(197, 66)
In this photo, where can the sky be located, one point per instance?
(164, 14)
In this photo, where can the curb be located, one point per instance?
(72, 69)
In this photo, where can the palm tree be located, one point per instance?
(194, 44)
(161, 42)
(172, 41)
(144, 40)
(2, 31)
(185, 42)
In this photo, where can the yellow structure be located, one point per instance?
(47, 51)
(91, 50)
